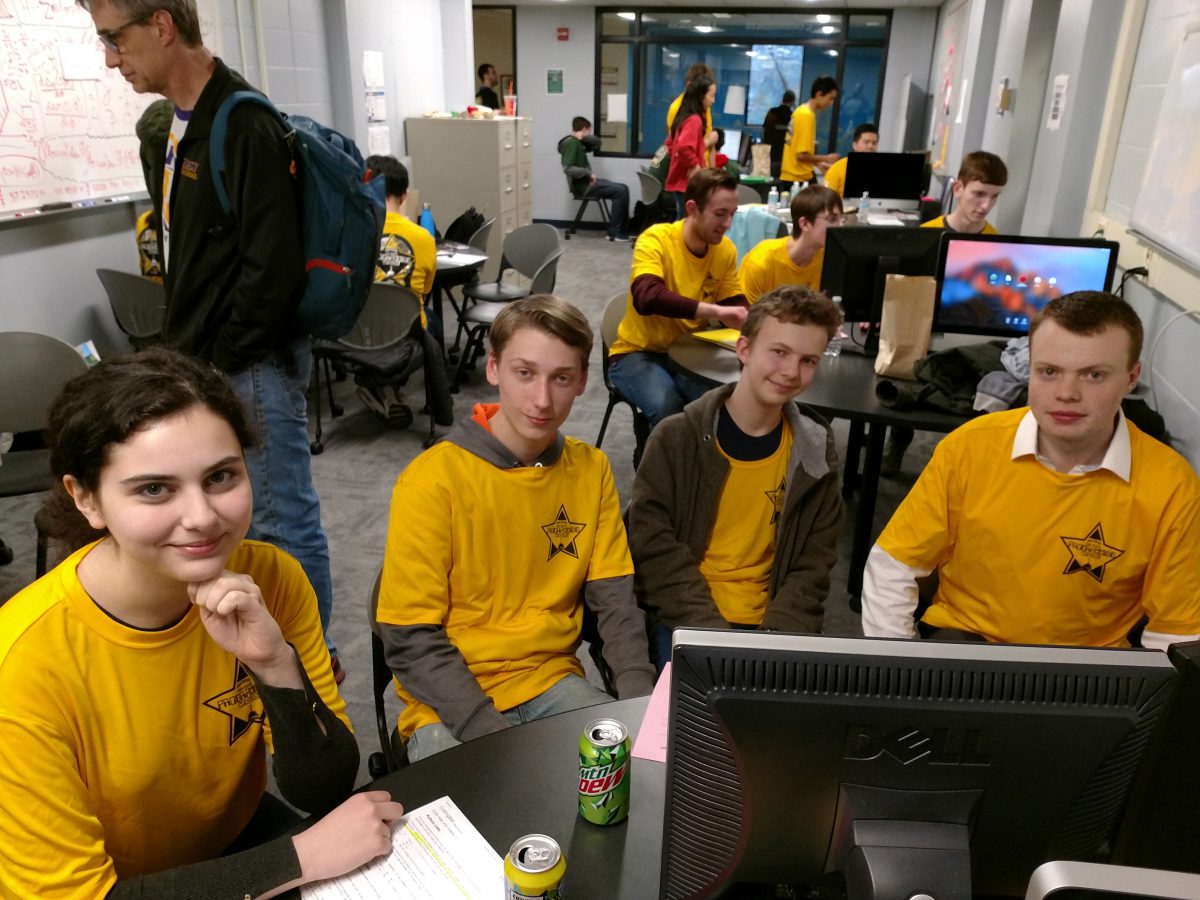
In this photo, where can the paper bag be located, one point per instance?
(904, 329)
(760, 155)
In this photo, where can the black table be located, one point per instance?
(525, 779)
(843, 388)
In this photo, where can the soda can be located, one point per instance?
(604, 772)
(534, 868)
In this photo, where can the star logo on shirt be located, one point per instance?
(1090, 554)
(776, 498)
(238, 703)
(563, 533)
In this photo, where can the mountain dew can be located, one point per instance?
(534, 869)
(604, 772)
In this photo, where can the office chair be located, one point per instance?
(601, 204)
(747, 194)
(613, 313)
(33, 369)
(138, 304)
(392, 754)
(447, 280)
(1073, 879)
(654, 206)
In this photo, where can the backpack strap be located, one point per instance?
(216, 140)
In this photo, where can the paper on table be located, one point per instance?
(652, 736)
(436, 852)
(725, 337)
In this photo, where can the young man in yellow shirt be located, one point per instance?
(684, 273)
(981, 178)
(800, 155)
(1057, 524)
(798, 258)
(736, 504)
(866, 140)
(498, 537)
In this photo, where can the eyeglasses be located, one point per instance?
(109, 38)
(833, 218)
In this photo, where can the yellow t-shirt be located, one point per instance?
(835, 176)
(940, 222)
(708, 279)
(804, 140)
(768, 265)
(1029, 555)
(674, 108)
(498, 557)
(125, 752)
(147, 244)
(407, 256)
(741, 548)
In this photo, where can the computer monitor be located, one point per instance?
(733, 144)
(994, 284)
(893, 768)
(893, 180)
(858, 259)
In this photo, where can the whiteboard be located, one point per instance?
(1168, 207)
(66, 122)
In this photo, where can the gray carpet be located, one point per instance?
(362, 457)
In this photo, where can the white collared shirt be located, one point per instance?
(1117, 458)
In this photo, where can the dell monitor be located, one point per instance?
(995, 284)
(873, 768)
(858, 260)
(893, 180)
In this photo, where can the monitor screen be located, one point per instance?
(994, 284)
(885, 177)
(897, 768)
(733, 144)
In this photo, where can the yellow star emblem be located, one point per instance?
(563, 533)
(239, 703)
(1090, 554)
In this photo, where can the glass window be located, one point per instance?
(618, 24)
(614, 118)
(858, 98)
(867, 28)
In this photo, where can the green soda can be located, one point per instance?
(604, 772)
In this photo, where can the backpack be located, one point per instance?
(341, 216)
(461, 229)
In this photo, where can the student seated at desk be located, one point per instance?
(798, 258)
(866, 140)
(497, 538)
(736, 505)
(143, 679)
(684, 273)
(1057, 524)
(981, 178)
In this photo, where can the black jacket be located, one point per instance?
(233, 285)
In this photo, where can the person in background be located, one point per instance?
(736, 504)
(866, 140)
(775, 129)
(144, 680)
(684, 273)
(799, 257)
(486, 95)
(696, 70)
(686, 141)
(1061, 523)
(981, 179)
(800, 156)
(573, 150)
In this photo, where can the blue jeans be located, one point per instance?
(287, 512)
(656, 385)
(568, 693)
(618, 197)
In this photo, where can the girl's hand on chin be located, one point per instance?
(232, 610)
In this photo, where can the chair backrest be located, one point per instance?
(747, 194)
(381, 678)
(651, 187)
(389, 315)
(544, 278)
(479, 240)
(530, 247)
(138, 304)
(614, 312)
(33, 369)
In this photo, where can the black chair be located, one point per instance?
(613, 313)
(138, 304)
(392, 754)
(457, 278)
(601, 204)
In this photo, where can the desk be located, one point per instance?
(453, 269)
(525, 779)
(843, 388)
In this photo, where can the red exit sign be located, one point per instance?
(564, 34)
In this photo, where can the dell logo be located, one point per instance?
(938, 747)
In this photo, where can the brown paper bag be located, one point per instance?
(904, 330)
(760, 155)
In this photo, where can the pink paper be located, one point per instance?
(651, 740)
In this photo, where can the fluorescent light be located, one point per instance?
(829, 29)
(823, 18)
(751, 54)
(721, 15)
(833, 53)
(704, 29)
(628, 16)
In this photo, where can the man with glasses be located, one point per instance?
(233, 282)
(797, 258)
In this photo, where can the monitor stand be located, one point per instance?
(883, 204)
(895, 843)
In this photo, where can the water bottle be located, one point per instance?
(772, 199)
(426, 221)
(864, 204)
(785, 201)
(795, 188)
(834, 347)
